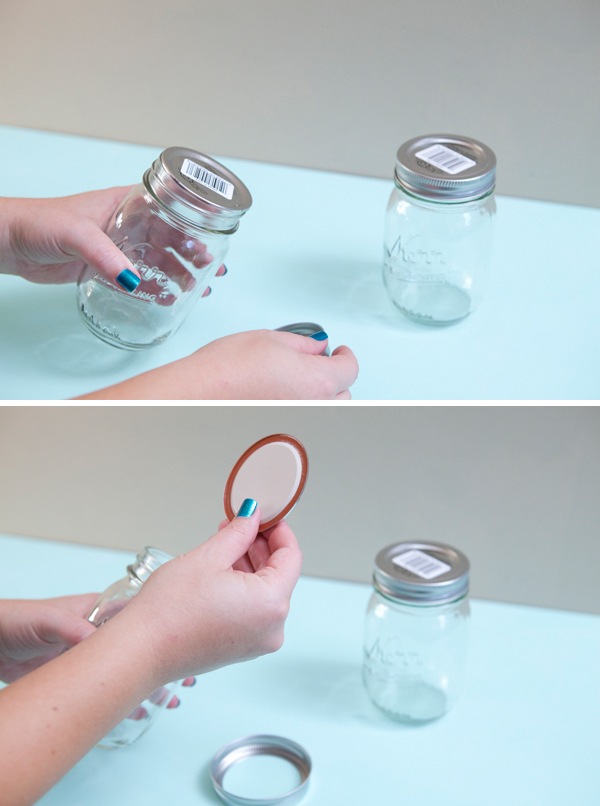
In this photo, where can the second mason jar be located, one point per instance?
(438, 228)
(174, 227)
(416, 630)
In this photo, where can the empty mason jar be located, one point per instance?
(416, 630)
(111, 602)
(174, 227)
(438, 228)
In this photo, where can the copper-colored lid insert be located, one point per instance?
(294, 443)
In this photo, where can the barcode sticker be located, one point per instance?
(205, 177)
(421, 564)
(447, 160)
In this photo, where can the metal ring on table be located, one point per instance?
(260, 745)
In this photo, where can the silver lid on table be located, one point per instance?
(260, 745)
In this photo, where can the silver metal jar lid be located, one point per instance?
(446, 168)
(304, 329)
(198, 188)
(260, 745)
(422, 573)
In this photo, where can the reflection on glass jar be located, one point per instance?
(174, 228)
(108, 604)
(416, 630)
(438, 228)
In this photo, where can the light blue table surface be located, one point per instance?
(310, 249)
(526, 731)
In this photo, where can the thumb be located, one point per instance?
(313, 345)
(63, 627)
(97, 249)
(233, 541)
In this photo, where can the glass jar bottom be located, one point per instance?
(429, 303)
(114, 340)
(122, 320)
(410, 702)
(140, 720)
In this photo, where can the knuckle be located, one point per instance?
(103, 255)
(279, 611)
(237, 528)
(275, 611)
(273, 642)
(328, 387)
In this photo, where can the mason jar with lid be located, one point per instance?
(416, 630)
(174, 227)
(439, 227)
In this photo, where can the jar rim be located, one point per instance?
(146, 562)
(419, 604)
(439, 202)
(182, 212)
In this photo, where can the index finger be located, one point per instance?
(285, 563)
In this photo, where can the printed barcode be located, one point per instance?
(421, 564)
(207, 178)
(445, 159)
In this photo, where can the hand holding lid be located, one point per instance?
(273, 472)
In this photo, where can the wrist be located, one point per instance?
(123, 651)
(176, 381)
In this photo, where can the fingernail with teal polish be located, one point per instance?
(128, 280)
(320, 336)
(247, 508)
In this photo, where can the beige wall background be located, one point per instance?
(515, 488)
(330, 84)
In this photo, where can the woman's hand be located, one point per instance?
(33, 631)
(51, 240)
(221, 603)
(255, 365)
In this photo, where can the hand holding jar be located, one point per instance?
(174, 229)
(50, 241)
(223, 602)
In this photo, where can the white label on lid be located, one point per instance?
(205, 177)
(421, 564)
(447, 160)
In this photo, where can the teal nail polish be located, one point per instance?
(128, 280)
(320, 336)
(247, 508)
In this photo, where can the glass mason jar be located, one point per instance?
(174, 227)
(439, 227)
(416, 630)
(108, 604)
